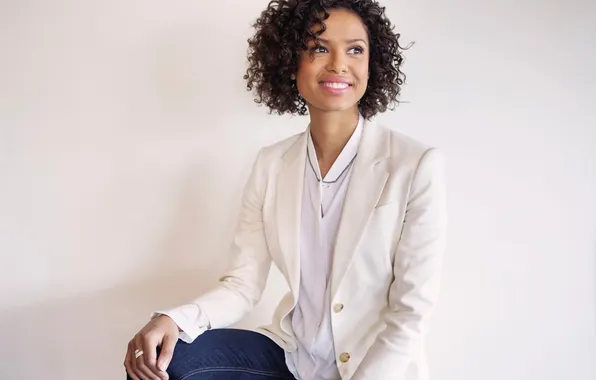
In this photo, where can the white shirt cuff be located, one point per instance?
(190, 320)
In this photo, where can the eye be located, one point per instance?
(356, 50)
(319, 49)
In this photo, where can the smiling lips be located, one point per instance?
(335, 85)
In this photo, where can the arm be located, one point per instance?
(190, 319)
(417, 266)
(240, 288)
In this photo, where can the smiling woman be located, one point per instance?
(345, 34)
(333, 72)
(351, 213)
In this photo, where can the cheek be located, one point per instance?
(302, 83)
(363, 77)
(306, 76)
(362, 72)
(307, 70)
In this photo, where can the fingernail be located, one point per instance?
(162, 366)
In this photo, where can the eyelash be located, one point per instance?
(315, 49)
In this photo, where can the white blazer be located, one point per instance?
(387, 258)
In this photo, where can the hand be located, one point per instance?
(160, 331)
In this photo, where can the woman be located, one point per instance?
(352, 214)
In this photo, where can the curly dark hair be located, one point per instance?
(283, 31)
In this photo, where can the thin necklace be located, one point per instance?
(338, 177)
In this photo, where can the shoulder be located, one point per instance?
(278, 149)
(405, 146)
(406, 152)
(270, 156)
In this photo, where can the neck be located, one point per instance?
(331, 131)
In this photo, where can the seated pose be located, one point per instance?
(350, 212)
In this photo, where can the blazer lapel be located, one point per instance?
(288, 209)
(367, 181)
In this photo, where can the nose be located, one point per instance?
(337, 63)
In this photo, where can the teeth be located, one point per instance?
(335, 85)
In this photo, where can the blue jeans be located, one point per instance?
(228, 354)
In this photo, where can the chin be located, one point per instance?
(335, 106)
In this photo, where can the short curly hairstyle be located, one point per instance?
(282, 33)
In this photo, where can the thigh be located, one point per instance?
(229, 354)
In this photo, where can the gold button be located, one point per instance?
(338, 307)
(344, 357)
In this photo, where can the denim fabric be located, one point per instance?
(228, 354)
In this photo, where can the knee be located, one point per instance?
(184, 361)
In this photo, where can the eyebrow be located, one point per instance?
(346, 41)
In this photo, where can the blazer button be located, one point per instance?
(344, 357)
(338, 307)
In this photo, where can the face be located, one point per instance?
(335, 77)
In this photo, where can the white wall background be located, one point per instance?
(126, 136)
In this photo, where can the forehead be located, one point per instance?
(342, 24)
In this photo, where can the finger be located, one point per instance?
(129, 363)
(149, 358)
(140, 370)
(167, 352)
(146, 373)
(132, 376)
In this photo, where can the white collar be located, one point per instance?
(346, 156)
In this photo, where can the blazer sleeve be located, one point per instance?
(241, 285)
(417, 267)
